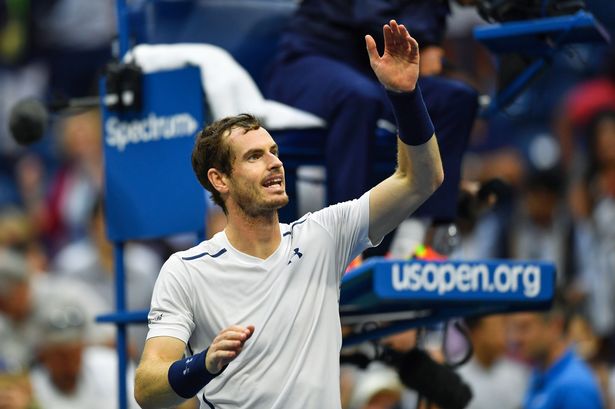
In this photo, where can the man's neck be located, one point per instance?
(485, 359)
(256, 236)
(554, 354)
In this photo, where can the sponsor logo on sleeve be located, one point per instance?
(156, 318)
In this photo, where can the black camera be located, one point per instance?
(436, 382)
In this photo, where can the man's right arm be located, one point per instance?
(152, 389)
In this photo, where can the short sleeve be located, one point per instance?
(171, 312)
(348, 224)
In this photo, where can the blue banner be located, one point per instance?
(459, 281)
(150, 188)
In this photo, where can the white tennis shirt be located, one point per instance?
(291, 298)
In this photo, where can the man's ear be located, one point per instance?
(218, 180)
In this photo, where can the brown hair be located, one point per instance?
(212, 150)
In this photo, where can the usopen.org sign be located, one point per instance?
(476, 280)
(153, 128)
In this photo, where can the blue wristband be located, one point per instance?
(413, 122)
(189, 375)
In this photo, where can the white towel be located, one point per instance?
(228, 87)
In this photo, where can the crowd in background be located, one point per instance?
(552, 151)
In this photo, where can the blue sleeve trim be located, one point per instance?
(189, 375)
(292, 226)
(297, 222)
(218, 254)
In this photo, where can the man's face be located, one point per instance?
(256, 184)
(531, 336)
(63, 361)
(541, 205)
(605, 141)
(16, 302)
(490, 336)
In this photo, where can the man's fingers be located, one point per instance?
(222, 358)
(227, 345)
(217, 359)
(413, 43)
(233, 328)
(409, 41)
(231, 336)
(372, 50)
(388, 36)
(403, 32)
(395, 30)
(234, 332)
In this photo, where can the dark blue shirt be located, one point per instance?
(336, 28)
(567, 384)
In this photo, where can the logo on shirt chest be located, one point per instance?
(296, 253)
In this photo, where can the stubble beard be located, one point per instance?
(251, 203)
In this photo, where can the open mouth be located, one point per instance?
(273, 182)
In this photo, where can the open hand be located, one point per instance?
(226, 347)
(398, 68)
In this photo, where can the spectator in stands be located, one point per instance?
(70, 374)
(74, 188)
(15, 309)
(90, 262)
(22, 299)
(23, 295)
(376, 387)
(18, 232)
(542, 228)
(496, 380)
(597, 254)
(580, 107)
(560, 378)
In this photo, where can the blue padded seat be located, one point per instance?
(248, 29)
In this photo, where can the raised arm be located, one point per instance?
(419, 169)
(163, 379)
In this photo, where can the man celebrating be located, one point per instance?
(255, 309)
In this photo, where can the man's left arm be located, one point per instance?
(419, 170)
